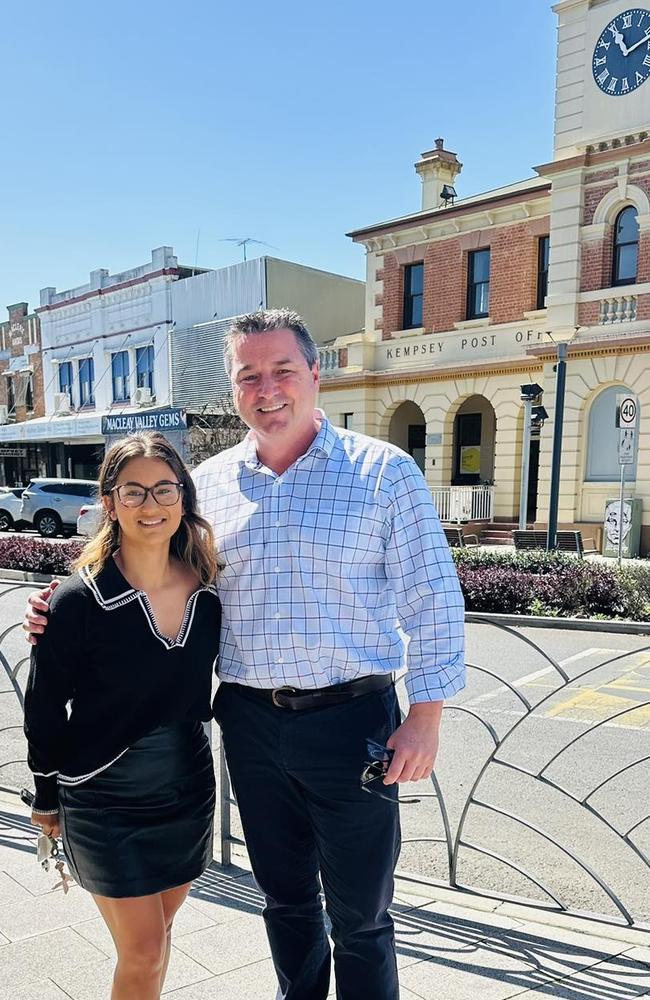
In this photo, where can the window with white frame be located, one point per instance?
(86, 382)
(120, 372)
(144, 367)
(66, 379)
(603, 437)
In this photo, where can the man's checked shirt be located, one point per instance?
(323, 562)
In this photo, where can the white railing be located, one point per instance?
(464, 503)
(329, 360)
(618, 309)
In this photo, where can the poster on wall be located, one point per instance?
(470, 460)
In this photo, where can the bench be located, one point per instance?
(457, 540)
(567, 541)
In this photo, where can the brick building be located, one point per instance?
(21, 391)
(467, 298)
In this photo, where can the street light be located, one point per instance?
(529, 393)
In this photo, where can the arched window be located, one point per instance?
(626, 247)
(602, 442)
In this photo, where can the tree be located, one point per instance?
(213, 429)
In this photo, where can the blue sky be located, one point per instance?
(131, 125)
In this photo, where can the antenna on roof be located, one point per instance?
(243, 242)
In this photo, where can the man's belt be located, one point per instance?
(297, 699)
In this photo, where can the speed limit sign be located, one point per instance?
(626, 411)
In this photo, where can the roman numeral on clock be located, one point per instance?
(627, 20)
(624, 85)
(639, 78)
(646, 61)
(604, 45)
(604, 75)
(600, 62)
(612, 85)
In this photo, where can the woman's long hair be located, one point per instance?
(192, 544)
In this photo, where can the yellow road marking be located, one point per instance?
(591, 705)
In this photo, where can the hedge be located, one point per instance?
(534, 583)
(552, 583)
(39, 555)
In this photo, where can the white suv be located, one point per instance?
(52, 505)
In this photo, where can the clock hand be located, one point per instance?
(642, 41)
(620, 40)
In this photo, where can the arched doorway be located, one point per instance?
(408, 430)
(474, 436)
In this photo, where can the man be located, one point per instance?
(327, 538)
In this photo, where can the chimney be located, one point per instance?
(436, 168)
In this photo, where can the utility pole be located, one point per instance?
(558, 427)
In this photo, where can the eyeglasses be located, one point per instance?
(134, 494)
(375, 768)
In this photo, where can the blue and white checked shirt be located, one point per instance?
(323, 561)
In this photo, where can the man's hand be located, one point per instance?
(49, 822)
(35, 621)
(415, 743)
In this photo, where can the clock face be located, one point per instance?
(621, 60)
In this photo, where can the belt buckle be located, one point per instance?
(286, 689)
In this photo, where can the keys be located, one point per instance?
(66, 879)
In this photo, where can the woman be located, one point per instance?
(127, 778)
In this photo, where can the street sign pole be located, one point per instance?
(626, 418)
(525, 465)
(620, 517)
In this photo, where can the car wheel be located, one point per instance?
(48, 524)
(6, 521)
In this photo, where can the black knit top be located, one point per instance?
(103, 655)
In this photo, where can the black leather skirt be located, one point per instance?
(145, 824)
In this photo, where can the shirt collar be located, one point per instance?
(323, 442)
(109, 586)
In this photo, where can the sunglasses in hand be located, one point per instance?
(375, 769)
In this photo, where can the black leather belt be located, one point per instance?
(297, 699)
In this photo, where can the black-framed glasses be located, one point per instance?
(374, 770)
(134, 494)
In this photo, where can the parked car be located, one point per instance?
(10, 506)
(52, 505)
(90, 518)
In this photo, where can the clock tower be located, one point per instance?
(602, 140)
(603, 72)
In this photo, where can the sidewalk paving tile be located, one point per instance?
(41, 989)
(228, 946)
(37, 915)
(619, 978)
(93, 981)
(187, 921)
(22, 962)
(11, 891)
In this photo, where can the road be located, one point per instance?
(562, 712)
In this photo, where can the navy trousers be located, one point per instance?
(306, 821)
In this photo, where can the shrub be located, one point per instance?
(551, 583)
(38, 555)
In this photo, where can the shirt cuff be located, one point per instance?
(422, 687)
(47, 794)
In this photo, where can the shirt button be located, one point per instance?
(277, 615)
(280, 659)
(278, 524)
(276, 569)
(278, 482)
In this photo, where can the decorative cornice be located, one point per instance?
(597, 348)
(366, 380)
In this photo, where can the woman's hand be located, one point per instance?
(49, 823)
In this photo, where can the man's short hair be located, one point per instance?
(266, 321)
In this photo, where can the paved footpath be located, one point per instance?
(54, 946)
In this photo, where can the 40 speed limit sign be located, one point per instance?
(626, 411)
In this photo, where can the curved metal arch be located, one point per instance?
(616, 774)
(516, 868)
(479, 619)
(565, 850)
(579, 802)
(502, 680)
(592, 729)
